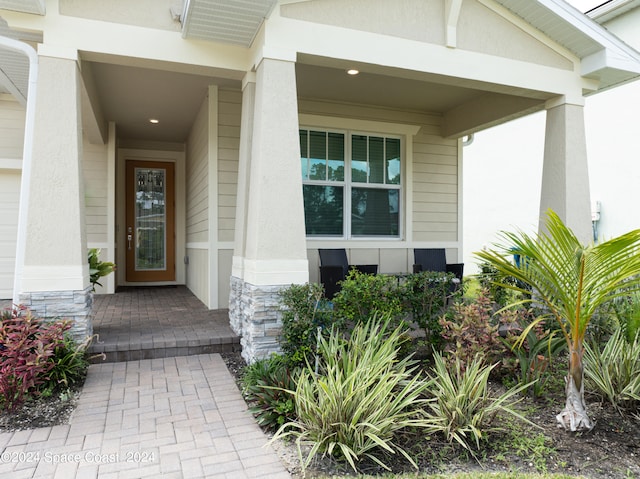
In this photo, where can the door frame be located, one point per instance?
(131, 235)
(176, 156)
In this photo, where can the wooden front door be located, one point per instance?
(150, 226)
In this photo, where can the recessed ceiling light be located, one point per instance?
(353, 71)
(154, 120)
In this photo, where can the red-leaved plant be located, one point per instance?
(26, 344)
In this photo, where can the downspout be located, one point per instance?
(25, 181)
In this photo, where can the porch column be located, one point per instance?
(55, 279)
(274, 242)
(244, 154)
(565, 175)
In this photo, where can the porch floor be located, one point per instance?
(158, 322)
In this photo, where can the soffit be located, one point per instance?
(542, 17)
(25, 6)
(226, 21)
(14, 65)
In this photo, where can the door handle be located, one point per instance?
(129, 237)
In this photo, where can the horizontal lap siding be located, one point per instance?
(435, 187)
(197, 179)
(9, 200)
(230, 109)
(197, 221)
(94, 168)
(12, 117)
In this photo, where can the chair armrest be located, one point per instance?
(457, 269)
(366, 268)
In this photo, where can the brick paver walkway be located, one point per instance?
(179, 417)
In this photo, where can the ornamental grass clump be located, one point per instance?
(462, 407)
(361, 399)
(614, 371)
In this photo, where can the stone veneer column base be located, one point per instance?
(254, 315)
(76, 306)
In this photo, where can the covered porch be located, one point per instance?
(158, 322)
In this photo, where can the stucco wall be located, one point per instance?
(143, 13)
(478, 29)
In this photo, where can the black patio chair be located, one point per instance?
(334, 267)
(435, 259)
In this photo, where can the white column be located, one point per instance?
(244, 171)
(55, 280)
(270, 243)
(275, 252)
(565, 176)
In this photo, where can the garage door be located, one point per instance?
(9, 199)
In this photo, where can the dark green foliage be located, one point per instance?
(535, 345)
(494, 281)
(27, 345)
(425, 295)
(69, 364)
(304, 311)
(363, 295)
(97, 268)
(268, 386)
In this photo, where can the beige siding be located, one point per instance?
(431, 217)
(197, 273)
(224, 273)
(230, 106)
(435, 188)
(94, 167)
(9, 200)
(197, 216)
(12, 116)
(197, 179)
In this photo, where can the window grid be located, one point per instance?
(346, 182)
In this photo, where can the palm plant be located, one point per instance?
(570, 281)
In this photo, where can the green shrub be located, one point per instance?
(267, 385)
(535, 348)
(461, 406)
(363, 396)
(364, 295)
(97, 268)
(614, 371)
(70, 363)
(425, 295)
(27, 345)
(304, 310)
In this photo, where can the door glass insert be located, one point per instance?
(150, 219)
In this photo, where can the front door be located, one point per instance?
(150, 226)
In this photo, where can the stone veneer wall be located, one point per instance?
(76, 306)
(255, 316)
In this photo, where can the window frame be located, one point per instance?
(348, 184)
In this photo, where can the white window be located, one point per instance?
(350, 172)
